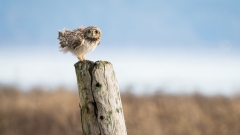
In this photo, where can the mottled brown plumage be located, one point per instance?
(79, 41)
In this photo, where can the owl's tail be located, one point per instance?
(64, 50)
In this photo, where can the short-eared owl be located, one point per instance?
(80, 41)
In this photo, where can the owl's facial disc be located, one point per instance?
(93, 33)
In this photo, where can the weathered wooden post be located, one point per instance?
(100, 101)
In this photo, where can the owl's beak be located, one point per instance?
(92, 34)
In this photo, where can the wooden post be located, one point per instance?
(100, 101)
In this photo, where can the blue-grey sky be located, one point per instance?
(187, 34)
(156, 22)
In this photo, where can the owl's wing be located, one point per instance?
(72, 39)
(75, 41)
(62, 39)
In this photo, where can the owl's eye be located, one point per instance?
(95, 32)
(89, 31)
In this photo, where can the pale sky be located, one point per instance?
(177, 46)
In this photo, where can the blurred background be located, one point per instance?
(178, 59)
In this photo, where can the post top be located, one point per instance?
(92, 62)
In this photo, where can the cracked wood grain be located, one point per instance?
(100, 101)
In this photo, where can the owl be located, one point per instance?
(79, 41)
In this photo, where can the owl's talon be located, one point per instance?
(80, 58)
(83, 57)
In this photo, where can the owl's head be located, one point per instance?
(93, 33)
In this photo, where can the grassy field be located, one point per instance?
(56, 112)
